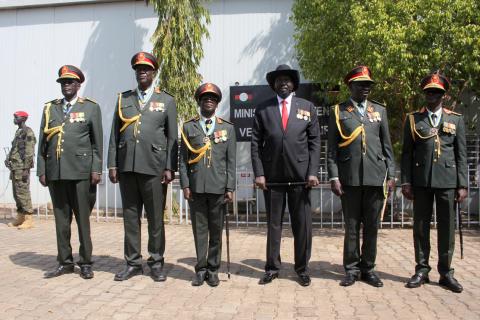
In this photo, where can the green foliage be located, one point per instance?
(177, 40)
(400, 40)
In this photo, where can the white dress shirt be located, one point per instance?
(289, 103)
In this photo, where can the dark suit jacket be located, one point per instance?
(348, 163)
(420, 166)
(155, 148)
(285, 156)
(82, 142)
(220, 177)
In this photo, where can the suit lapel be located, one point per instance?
(275, 114)
(293, 113)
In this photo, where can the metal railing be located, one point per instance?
(248, 206)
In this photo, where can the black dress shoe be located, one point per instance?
(304, 279)
(200, 277)
(372, 279)
(348, 280)
(212, 279)
(86, 271)
(450, 283)
(59, 271)
(268, 277)
(128, 272)
(417, 280)
(156, 273)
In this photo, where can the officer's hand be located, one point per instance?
(95, 178)
(261, 183)
(167, 176)
(229, 196)
(391, 186)
(25, 175)
(461, 194)
(336, 187)
(113, 175)
(407, 191)
(312, 181)
(187, 194)
(43, 180)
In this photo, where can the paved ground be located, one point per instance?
(24, 294)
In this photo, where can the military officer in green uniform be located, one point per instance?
(207, 177)
(434, 170)
(142, 157)
(19, 162)
(69, 162)
(360, 166)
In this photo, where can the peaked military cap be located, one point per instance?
(360, 73)
(144, 58)
(21, 114)
(70, 72)
(435, 81)
(208, 88)
(284, 69)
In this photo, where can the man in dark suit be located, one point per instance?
(360, 164)
(286, 149)
(434, 166)
(69, 162)
(142, 156)
(207, 177)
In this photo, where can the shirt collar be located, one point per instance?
(438, 113)
(72, 102)
(356, 104)
(148, 93)
(289, 99)
(203, 119)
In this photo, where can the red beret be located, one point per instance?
(208, 88)
(144, 58)
(21, 114)
(360, 73)
(70, 72)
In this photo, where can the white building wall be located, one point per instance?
(247, 39)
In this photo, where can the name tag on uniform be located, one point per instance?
(220, 136)
(77, 117)
(303, 114)
(156, 106)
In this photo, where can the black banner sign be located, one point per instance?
(244, 99)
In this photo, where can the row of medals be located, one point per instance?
(217, 139)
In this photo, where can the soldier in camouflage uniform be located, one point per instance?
(19, 162)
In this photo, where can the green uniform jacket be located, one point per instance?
(81, 144)
(349, 163)
(220, 176)
(23, 150)
(150, 146)
(421, 165)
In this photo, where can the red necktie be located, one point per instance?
(284, 114)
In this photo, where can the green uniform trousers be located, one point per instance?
(73, 197)
(207, 211)
(422, 216)
(142, 190)
(21, 192)
(361, 205)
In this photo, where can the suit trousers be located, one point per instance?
(207, 225)
(361, 205)
(422, 216)
(72, 197)
(301, 220)
(142, 191)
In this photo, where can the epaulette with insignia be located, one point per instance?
(376, 102)
(224, 120)
(91, 100)
(448, 111)
(54, 101)
(193, 119)
(171, 95)
(128, 91)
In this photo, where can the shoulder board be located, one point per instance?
(448, 111)
(91, 100)
(193, 119)
(166, 92)
(54, 101)
(220, 120)
(376, 102)
(128, 91)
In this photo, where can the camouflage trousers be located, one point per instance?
(21, 192)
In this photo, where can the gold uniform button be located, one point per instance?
(434, 160)
(61, 150)
(63, 140)
(416, 164)
(139, 131)
(139, 122)
(138, 141)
